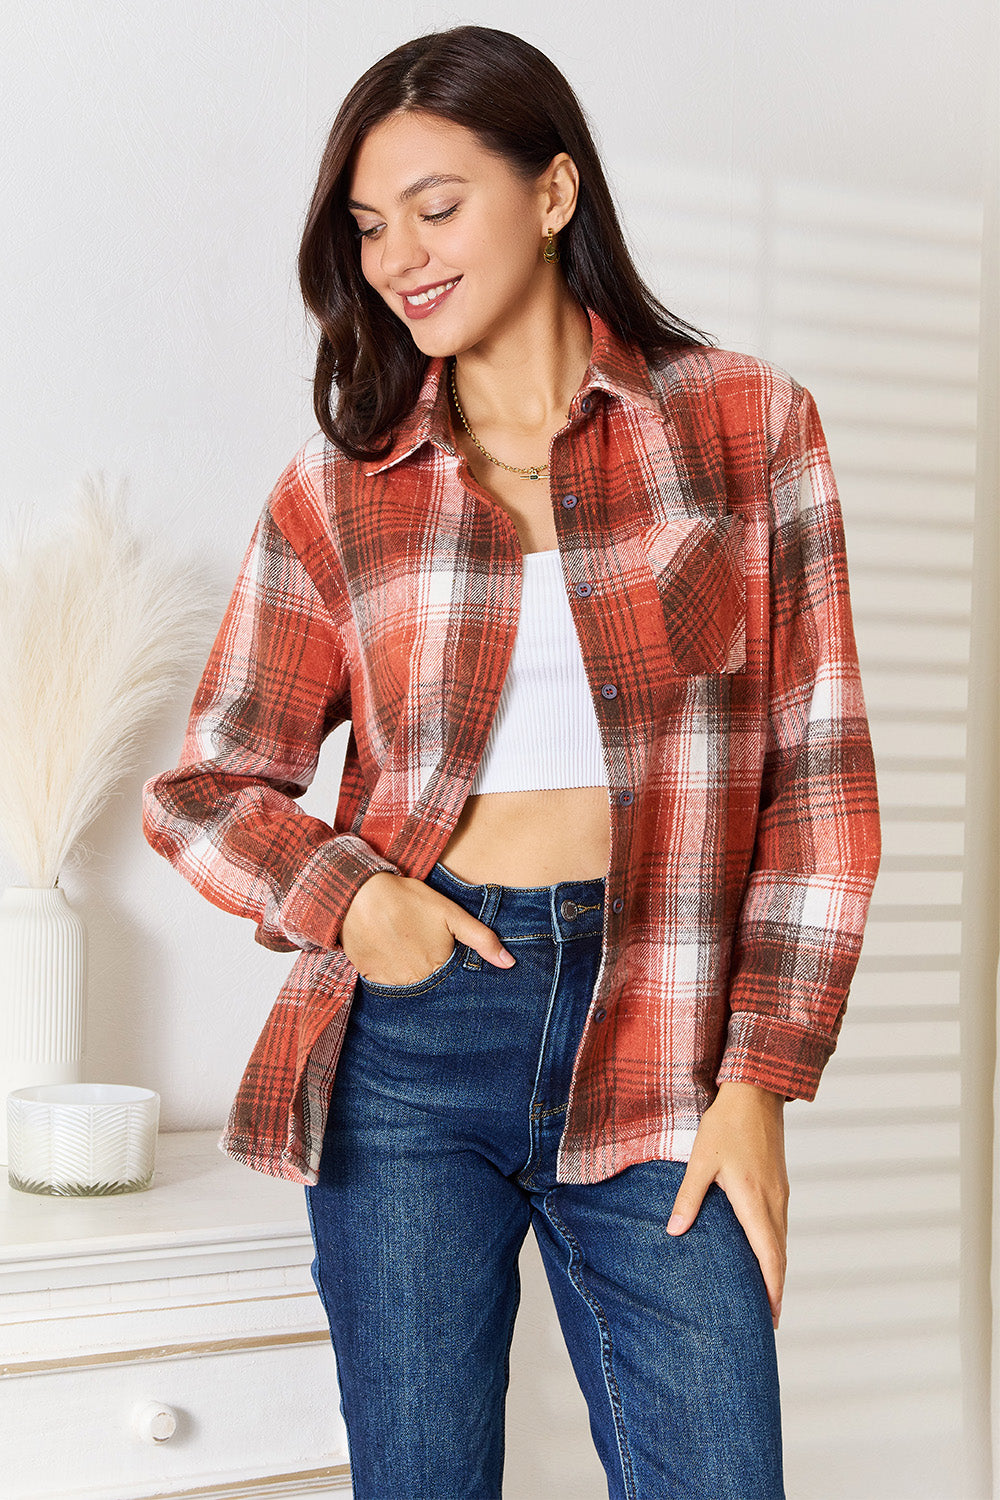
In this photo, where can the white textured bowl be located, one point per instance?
(81, 1140)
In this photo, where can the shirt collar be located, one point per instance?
(616, 368)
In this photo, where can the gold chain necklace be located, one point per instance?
(536, 473)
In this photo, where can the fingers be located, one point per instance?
(763, 1222)
(463, 926)
(404, 917)
(475, 934)
(740, 1146)
(763, 1219)
(690, 1196)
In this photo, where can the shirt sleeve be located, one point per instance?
(276, 684)
(817, 846)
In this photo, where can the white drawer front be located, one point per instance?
(266, 1405)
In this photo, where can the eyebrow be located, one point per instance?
(420, 186)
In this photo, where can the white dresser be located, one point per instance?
(166, 1343)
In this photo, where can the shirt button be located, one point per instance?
(569, 910)
(569, 501)
(609, 690)
(585, 405)
(626, 799)
(584, 590)
(600, 1014)
(617, 904)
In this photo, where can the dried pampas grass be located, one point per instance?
(97, 628)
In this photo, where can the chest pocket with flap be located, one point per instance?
(699, 569)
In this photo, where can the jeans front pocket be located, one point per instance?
(419, 986)
(699, 568)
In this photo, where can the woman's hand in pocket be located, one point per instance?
(740, 1144)
(397, 930)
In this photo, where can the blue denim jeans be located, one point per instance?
(440, 1150)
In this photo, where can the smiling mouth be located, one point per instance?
(421, 299)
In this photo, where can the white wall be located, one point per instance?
(807, 182)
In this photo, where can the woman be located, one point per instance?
(607, 827)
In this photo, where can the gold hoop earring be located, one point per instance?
(550, 250)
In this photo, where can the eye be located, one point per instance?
(440, 218)
(367, 234)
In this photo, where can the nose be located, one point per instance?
(402, 250)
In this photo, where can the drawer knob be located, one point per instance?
(154, 1422)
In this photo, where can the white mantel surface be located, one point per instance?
(199, 1203)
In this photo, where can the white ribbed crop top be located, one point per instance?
(545, 732)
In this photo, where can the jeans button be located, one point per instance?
(569, 910)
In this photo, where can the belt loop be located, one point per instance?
(487, 911)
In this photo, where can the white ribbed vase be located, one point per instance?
(43, 974)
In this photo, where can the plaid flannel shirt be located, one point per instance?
(695, 501)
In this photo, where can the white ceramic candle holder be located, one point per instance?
(81, 1140)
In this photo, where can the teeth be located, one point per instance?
(420, 298)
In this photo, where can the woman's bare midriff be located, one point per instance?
(531, 838)
(537, 837)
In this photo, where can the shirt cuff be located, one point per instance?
(774, 1054)
(313, 911)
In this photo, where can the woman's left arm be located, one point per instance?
(798, 936)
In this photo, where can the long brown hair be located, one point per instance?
(520, 107)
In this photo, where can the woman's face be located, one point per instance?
(451, 237)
